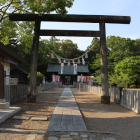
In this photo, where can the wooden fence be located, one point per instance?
(15, 92)
(127, 98)
(49, 85)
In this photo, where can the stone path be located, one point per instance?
(35, 134)
(7, 113)
(77, 136)
(66, 116)
(67, 122)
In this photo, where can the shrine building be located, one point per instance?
(67, 74)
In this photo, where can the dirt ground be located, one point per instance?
(97, 116)
(44, 107)
(111, 118)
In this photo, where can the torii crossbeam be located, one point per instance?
(101, 19)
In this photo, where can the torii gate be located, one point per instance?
(101, 19)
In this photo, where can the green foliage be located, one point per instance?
(96, 64)
(7, 30)
(10, 29)
(47, 6)
(118, 49)
(94, 56)
(126, 72)
(123, 60)
(121, 80)
(97, 80)
(69, 48)
(39, 78)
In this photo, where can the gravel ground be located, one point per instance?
(97, 117)
(44, 107)
(112, 118)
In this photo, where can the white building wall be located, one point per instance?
(7, 68)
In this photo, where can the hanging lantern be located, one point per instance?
(86, 55)
(52, 56)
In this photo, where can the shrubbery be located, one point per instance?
(39, 78)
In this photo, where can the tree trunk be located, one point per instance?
(34, 60)
(105, 98)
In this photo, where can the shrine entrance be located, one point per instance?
(101, 19)
(68, 80)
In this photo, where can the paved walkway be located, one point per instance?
(7, 113)
(66, 116)
(66, 124)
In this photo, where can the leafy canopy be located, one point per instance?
(10, 29)
(126, 72)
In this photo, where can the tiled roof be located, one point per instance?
(24, 71)
(67, 70)
(82, 68)
(10, 54)
(54, 67)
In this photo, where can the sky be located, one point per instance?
(101, 7)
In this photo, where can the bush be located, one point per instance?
(97, 80)
(39, 78)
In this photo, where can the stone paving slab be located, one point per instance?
(78, 136)
(21, 117)
(7, 113)
(31, 137)
(39, 118)
(35, 134)
(66, 115)
(53, 92)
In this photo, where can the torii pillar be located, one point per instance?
(105, 98)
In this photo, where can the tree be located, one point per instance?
(69, 48)
(126, 72)
(118, 49)
(38, 7)
(9, 29)
(94, 56)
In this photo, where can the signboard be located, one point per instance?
(11, 81)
